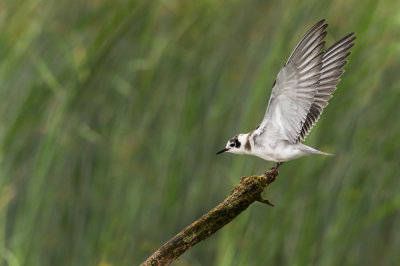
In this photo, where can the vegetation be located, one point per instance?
(111, 113)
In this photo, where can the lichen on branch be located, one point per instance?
(242, 196)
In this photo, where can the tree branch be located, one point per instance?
(242, 196)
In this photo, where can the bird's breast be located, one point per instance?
(278, 151)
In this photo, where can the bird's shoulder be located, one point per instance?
(262, 135)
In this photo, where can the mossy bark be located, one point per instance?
(242, 196)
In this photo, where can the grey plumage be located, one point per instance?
(305, 84)
(332, 62)
(300, 93)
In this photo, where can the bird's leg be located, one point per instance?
(275, 168)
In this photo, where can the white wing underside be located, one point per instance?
(304, 86)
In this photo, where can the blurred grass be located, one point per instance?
(112, 111)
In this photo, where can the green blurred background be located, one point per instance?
(111, 113)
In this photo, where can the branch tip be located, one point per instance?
(265, 201)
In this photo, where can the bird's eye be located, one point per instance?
(232, 144)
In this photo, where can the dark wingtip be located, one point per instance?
(320, 24)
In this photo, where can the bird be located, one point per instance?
(299, 95)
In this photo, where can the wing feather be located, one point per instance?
(332, 63)
(304, 85)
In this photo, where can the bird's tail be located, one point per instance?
(310, 150)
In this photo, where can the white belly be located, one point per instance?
(280, 153)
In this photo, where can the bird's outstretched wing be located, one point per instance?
(304, 85)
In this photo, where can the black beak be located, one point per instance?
(223, 150)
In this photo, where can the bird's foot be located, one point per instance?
(275, 169)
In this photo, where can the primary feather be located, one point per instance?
(299, 95)
(304, 85)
